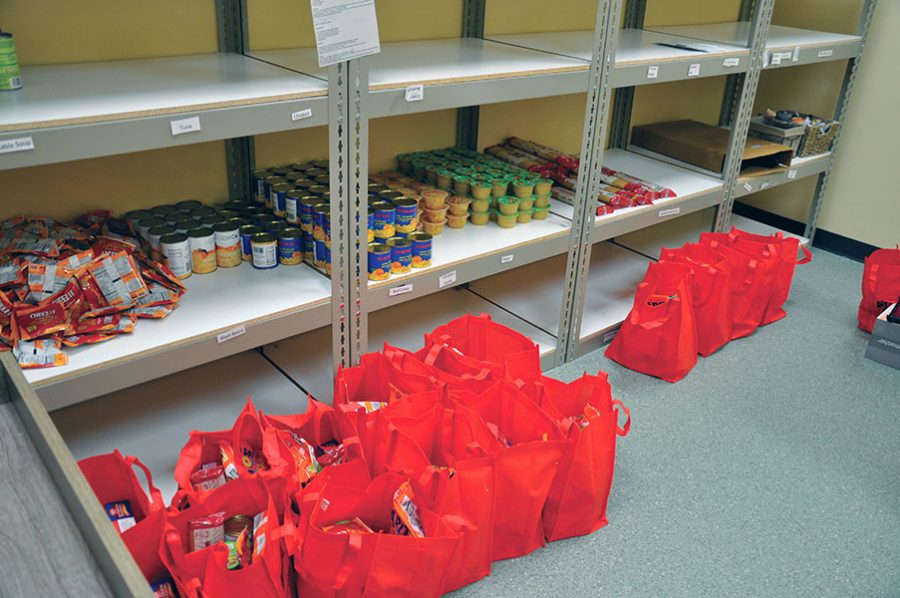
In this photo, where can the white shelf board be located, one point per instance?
(800, 168)
(535, 292)
(758, 228)
(152, 421)
(270, 304)
(307, 358)
(92, 92)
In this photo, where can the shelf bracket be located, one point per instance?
(467, 116)
(635, 10)
(231, 22)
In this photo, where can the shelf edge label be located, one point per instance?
(792, 174)
(445, 280)
(652, 72)
(230, 334)
(507, 258)
(694, 70)
(795, 57)
(609, 336)
(401, 290)
(415, 93)
(731, 62)
(748, 187)
(185, 125)
(301, 114)
(669, 212)
(825, 53)
(20, 144)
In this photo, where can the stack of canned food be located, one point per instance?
(396, 243)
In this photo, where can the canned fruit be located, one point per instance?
(401, 254)
(541, 201)
(370, 225)
(246, 233)
(177, 252)
(379, 261)
(421, 250)
(480, 218)
(508, 205)
(439, 215)
(405, 215)
(526, 203)
(542, 187)
(433, 228)
(228, 244)
(524, 216)
(321, 213)
(455, 221)
(459, 205)
(434, 198)
(384, 220)
(523, 188)
(389, 195)
(507, 221)
(541, 213)
(203, 250)
(264, 248)
(320, 254)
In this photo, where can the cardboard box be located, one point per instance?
(705, 146)
(884, 344)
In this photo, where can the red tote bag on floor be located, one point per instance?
(576, 503)
(880, 285)
(659, 336)
(378, 379)
(710, 294)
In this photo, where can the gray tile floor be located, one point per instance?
(773, 469)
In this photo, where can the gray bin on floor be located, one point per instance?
(884, 345)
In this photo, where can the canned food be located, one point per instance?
(246, 233)
(228, 244)
(10, 78)
(276, 193)
(318, 190)
(153, 237)
(321, 163)
(176, 250)
(270, 181)
(375, 188)
(228, 214)
(389, 195)
(302, 166)
(293, 177)
(259, 185)
(211, 221)
(328, 230)
(135, 216)
(304, 184)
(292, 206)
(323, 179)
(264, 248)
(328, 261)
(236, 525)
(182, 222)
(405, 220)
(401, 254)
(384, 219)
(290, 246)
(203, 250)
(325, 197)
(307, 203)
(320, 213)
(370, 225)
(316, 172)
(321, 253)
(164, 212)
(145, 224)
(236, 204)
(272, 224)
(188, 205)
(281, 170)
(309, 248)
(202, 212)
(379, 261)
(250, 211)
(421, 249)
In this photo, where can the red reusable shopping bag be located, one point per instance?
(710, 293)
(378, 379)
(336, 563)
(507, 352)
(527, 449)
(880, 285)
(442, 363)
(576, 503)
(112, 479)
(659, 336)
(204, 572)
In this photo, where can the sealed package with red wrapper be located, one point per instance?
(34, 321)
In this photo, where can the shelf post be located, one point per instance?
(587, 188)
(740, 125)
(635, 10)
(467, 116)
(862, 29)
(348, 146)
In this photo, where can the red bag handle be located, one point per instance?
(435, 351)
(623, 430)
(154, 492)
(807, 256)
(352, 547)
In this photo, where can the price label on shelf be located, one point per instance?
(185, 125)
(608, 336)
(230, 334)
(445, 280)
(825, 53)
(669, 212)
(301, 114)
(20, 144)
(415, 93)
(400, 290)
(795, 55)
(792, 174)
(694, 70)
(776, 58)
(748, 187)
(652, 72)
(729, 62)
(506, 259)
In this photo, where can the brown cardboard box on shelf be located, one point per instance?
(705, 146)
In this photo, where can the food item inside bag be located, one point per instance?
(404, 514)
(206, 531)
(349, 526)
(164, 588)
(121, 515)
(209, 477)
(303, 454)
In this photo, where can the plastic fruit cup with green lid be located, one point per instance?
(524, 216)
(444, 178)
(461, 185)
(542, 186)
(481, 189)
(526, 203)
(523, 188)
(541, 201)
(541, 213)
(506, 221)
(508, 205)
(481, 205)
(500, 187)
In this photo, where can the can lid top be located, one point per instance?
(161, 230)
(227, 226)
(200, 231)
(290, 232)
(263, 237)
(249, 229)
(398, 242)
(173, 238)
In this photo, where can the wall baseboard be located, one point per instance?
(827, 240)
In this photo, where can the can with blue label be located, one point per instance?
(307, 203)
(321, 212)
(290, 246)
(270, 181)
(405, 220)
(379, 261)
(328, 230)
(321, 253)
(259, 185)
(277, 197)
(401, 254)
(246, 232)
(309, 248)
(384, 219)
(370, 225)
(421, 249)
(292, 206)
(328, 261)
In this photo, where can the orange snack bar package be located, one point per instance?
(404, 514)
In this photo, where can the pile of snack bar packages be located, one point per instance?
(75, 284)
(431, 465)
(620, 190)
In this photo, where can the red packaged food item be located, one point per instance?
(33, 321)
(111, 244)
(330, 454)
(96, 325)
(118, 279)
(603, 209)
(164, 588)
(44, 280)
(206, 531)
(40, 353)
(350, 526)
(159, 272)
(154, 312)
(228, 462)
(404, 514)
(209, 477)
(251, 458)
(71, 264)
(260, 529)
(92, 221)
(6, 314)
(30, 244)
(158, 294)
(303, 454)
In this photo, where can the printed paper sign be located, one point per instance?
(185, 125)
(21, 144)
(345, 29)
(230, 334)
(400, 290)
(301, 114)
(669, 212)
(825, 53)
(694, 70)
(507, 259)
(731, 62)
(445, 280)
(415, 93)
(652, 72)
(792, 174)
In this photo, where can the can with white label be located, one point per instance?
(177, 251)
(154, 235)
(265, 251)
(203, 250)
(228, 244)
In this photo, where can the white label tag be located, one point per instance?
(825, 53)
(652, 72)
(792, 174)
(345, 29)
(669, 212)
(185, 125)
(609, 336)
(776, 58)
(795, 55)
(400, 290)
(301, 114)
(694, 70)
(415, 93)
(21, 144)
(445, 280)
(731, 62)
(230, 334)
(748, 186)
(507, 258)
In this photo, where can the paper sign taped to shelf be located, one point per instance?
(825, 53)
(400, 290)
(345, 29)
(669, 212)
(652, 72)
(415, 93)
(185, 125)
(694, 70)
(776, 58)
(731, 62)
(507, 258)
(301, 114)
(445, 280)
(230, 334)
(792, 174)
(795, 57)
(20, 144)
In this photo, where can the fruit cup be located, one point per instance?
(541, 201)
(439, 215)
(523, 188)
(480, 218)
(526, 203)
(524, 216)
(508, 205)
(433, 228)
(542, 187)
(506, 221)
(459, 205)
(481, 190)
(455, 221)
(434, 198)
(541, 213)
(461, 185)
